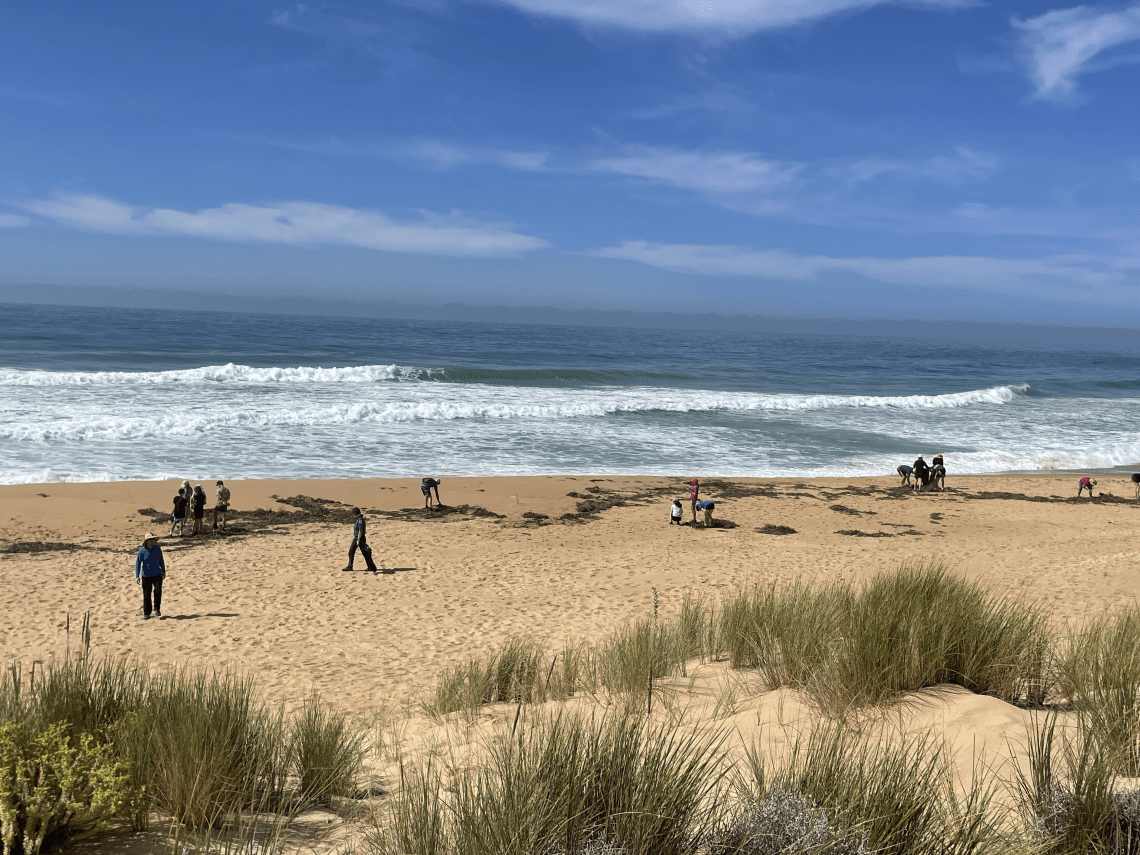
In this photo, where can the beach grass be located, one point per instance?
(849, 647)
(561, 783)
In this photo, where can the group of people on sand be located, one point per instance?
(706, 507)
(190, 503)
(922, 474)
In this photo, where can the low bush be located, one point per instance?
(55, 784)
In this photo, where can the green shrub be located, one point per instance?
(54, 783)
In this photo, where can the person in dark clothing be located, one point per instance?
(198, 503)
(921, 473)
(360, 540)
(938, 471)
(178, 517)
(904, 472)
(426, 486)
(150, 570)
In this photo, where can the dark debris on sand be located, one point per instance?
(29, 547)
(843, 509)
(854, 532)
(312, 510)
(776, 529)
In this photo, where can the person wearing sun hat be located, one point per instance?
(150, 570)
(1086, 483)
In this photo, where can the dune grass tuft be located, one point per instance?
(563, 783)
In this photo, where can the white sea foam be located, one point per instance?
(228, 373)
(175, 414)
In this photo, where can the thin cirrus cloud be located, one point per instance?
(12, 221)
(730, 18)
(1061, 273)
(294, 223)
(1061, 45)
(708, 172)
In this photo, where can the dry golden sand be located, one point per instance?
(276, 604)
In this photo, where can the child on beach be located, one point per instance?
(178, 518)
(1086, 483)
(694, 494)
(675, 512)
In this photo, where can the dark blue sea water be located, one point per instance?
(104, 394)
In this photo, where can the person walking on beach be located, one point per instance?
(694, 495)
(178, 516)
(426, 486)
(1086, 483)
(675, 512)
(222, 506)
(198, 503)
(360, 540)
(150, 570)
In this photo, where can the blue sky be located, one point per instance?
(813, 158)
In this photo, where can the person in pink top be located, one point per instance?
(1087, 483)
(694, 496)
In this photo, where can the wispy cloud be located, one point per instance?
(714, 172)
(709, 17)
(1060, 46)
(964, 164)
(443, 155)
(12, 221)
(296, 223)
(979, 272)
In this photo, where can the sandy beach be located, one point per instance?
(270, 598)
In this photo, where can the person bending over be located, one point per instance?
(360, 541)
(921, 473)
(904, 471)
(1086, 483)
(426, 486)
(708, 507)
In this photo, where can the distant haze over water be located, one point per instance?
(105, 394)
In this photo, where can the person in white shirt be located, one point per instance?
(675, 512)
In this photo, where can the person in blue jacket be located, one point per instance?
(150, 570)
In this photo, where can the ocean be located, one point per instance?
(110, 394)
